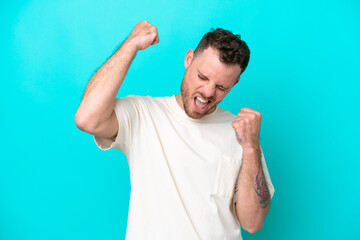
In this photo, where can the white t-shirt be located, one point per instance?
(183, 171)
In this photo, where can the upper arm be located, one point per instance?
(121, 127)
(108, 128)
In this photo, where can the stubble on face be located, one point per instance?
(192, 88)
(188, 101)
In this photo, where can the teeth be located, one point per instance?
(202, 100)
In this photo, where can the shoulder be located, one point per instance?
(154, 101)
(224, 115)
(144, 98)
(135, 99)
(142, 101)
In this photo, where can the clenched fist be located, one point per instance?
(247, 127)
(143, 35)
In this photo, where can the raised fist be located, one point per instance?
(143, 35)
(247, 127)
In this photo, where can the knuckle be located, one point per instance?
(257, 113)
(236, 125)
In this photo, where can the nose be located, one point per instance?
(209, 90)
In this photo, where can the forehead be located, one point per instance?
(208, 63)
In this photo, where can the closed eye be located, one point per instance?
(222, 88)
(202, 77)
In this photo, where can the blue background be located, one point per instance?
(303, 78)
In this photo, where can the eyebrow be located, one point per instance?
(205, 77)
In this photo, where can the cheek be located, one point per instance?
(194, 85)
(220, 95)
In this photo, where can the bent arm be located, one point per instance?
(253, 200)
(96, 114)
(97, 105)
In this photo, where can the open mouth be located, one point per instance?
(201, 104)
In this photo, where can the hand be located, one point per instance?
(143, 35)
(247, 128)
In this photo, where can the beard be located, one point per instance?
(188, 101)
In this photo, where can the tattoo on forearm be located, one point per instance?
(261, 187)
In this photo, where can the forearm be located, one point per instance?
(99, 97)
(253, 201)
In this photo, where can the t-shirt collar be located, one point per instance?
(174, 106)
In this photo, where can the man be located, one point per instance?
(196, 170)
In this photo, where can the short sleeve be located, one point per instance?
(127, 113)
(267, 177)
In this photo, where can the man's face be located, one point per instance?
(206, 82)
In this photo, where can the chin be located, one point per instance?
(196, 115)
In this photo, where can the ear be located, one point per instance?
(237, 80)
(188, 58)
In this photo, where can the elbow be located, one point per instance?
(252, 224)
(252, 221)
(253, 228)
(84, 124)
(79, 122)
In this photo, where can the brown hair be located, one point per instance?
(231, 48)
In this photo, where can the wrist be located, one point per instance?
(251, 157)
(131, 45)
(251, 148)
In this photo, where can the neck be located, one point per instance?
(180, 101)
